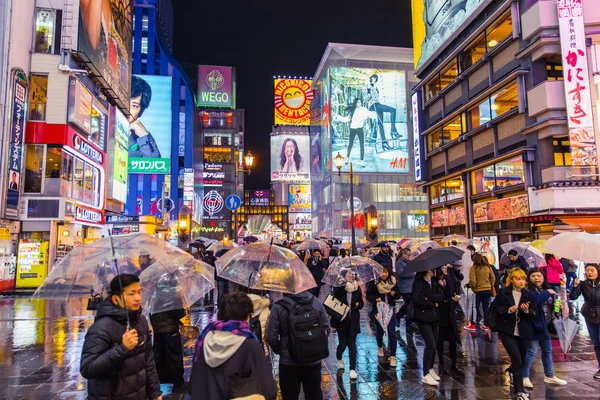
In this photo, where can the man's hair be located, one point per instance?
(140, 87)
(235, 306)
(405, 251)
(120, 282)
(513, 252)
(374, 76)
(471, 247)
(317, 250)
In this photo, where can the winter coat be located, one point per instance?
(506, 321)
(277, 333)
(262, 312)
(404, 279)
(167, 322)
(317, 269)
(231, 366)
(384, 259)
(520, 262)
(112, 371)
(352, 321)
(451, 289)
(481, 278)
(373, 294)
(539, 324)
(591, 300)
(426, 296)
(554, 270)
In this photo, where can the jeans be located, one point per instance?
(391, 331)
(380, 109)
(555, 287)
(346, 339)
(571, 276)
(430, 335)
(307, 376)
(361, 140)
(517, 350)
(546, 345)
(222, 289)
(168, 357)
(594, 330)
(483, 299)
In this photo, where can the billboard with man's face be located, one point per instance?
(290, 158)
(150, 124)
(368, 110)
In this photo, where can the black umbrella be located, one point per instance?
(434, 258)
(384, 242)
(250, 239)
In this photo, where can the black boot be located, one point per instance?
(385, 146)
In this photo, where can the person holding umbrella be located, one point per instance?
(590, 288)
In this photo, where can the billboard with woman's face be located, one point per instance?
(290, 158)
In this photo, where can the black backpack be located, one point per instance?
(307, 335)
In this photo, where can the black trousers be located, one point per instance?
(430, 335)
(307, 376)
(517, 350)
(346, 339)
(168, 357)
(402, 312)
(361, 140)
(446, 333)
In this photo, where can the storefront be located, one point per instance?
(124, 225)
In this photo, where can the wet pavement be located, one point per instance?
(41, 340)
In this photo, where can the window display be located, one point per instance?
(500, 175)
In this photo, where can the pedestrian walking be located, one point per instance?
(405, 281)
(117, 358)
(427, 296)
(349, 294)
(223, 285)
(260, 319)
(481, 282)
(517, 261)
(515, 307)
(543, 294)
(554, 271)
(448, 331)
(384, 257)
(384, 289)
(590, 288)
(317, 266)
(570, 269)
(229, 360)
(298, 331)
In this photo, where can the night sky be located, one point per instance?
(263, 38)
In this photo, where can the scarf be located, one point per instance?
(351, 286)
(385, 288)
(240, 328)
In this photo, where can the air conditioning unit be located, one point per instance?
(46, 209)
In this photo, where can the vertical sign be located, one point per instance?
(15, 154)
(416, 136)
(577, 83)
(188, 188)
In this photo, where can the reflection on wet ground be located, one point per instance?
(41, 340)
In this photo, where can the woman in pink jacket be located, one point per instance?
(554, 271)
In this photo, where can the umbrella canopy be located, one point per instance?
(366, 269)
(250, 239)
(580, 246)
(455, 238)
(346, 245)
(541, 246)
(384, 315)
(566, 330)
(265, 267)
(533, 256)
(434, 258)
(311, 244)
(221, 245)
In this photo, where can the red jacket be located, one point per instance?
(553, 271)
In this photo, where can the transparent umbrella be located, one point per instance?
(366, 270)
(384, 315)
(265, 267)
(221, 245)
(311, 244)
(566, 329)
(534, 257)
(455, 238)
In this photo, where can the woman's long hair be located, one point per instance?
(297, 156)
(420, 275)
(352, 108)
(545, 285)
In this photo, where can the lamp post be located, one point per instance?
(339, 163)
(248, 163)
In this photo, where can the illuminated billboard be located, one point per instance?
(260, 197)
(369, 119)
(216, 86)
(292, 101)
(290, 158)
(105, 38)
(120, 157)
(435, 21)
(150, 124)
(299, 200)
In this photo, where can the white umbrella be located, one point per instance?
(460, 239)
(533, 256)
(580, 246)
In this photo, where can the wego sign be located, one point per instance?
(292, 101)
(215, 86)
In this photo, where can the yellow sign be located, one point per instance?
(292, 101)
(4, 233)
(32, 263)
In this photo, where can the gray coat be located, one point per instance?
(404, 280)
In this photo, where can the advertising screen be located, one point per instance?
(86, 113)
(316, 115)
(105, 38)
(292, 101)
(301, 221)
(369, 119)
(119, 176)
(215, 86)
(150, 125)
(290, 158)
(299, 200)
(326, 124)
(434, 22)
(260, 197)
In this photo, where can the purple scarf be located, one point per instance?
(240, 328)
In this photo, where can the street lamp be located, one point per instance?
(248, 163)
(339, 163)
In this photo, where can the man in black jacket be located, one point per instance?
(317, 267)
(384, 257)
(517, 261)
(117, 358)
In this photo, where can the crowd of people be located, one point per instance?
(233, 355)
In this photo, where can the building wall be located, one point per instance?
(58, 86)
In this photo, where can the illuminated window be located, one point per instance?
(562, 152)
(500, 175)
(480, 114)
(44, 31)
(474, 52)
(437, 193)
(144, 45)
(33, 169)
(432, 88)
(498, 32)
(554, 71)
(434, 140)
(449, 74)
(452, 130)
(454, 189)
(38, 95)
(504, 100)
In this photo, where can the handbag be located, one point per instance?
(94, 302)
(410, 309)
(493, 317)
(335, 308)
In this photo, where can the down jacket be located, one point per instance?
(591, 296)
(112, 371)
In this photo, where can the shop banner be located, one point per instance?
(215, 86)
(497, 210)
(299, 199)
(577, 83)
(292, 101)
(89, 216)
(416, 136)
(448, 217)
(17, 134)
(260, 197)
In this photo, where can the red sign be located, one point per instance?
(89, 216)
(497, 210)
(292, 101)
(448, 217)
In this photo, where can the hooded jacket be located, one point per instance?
(277, 335)
(262, 312)
(231, 366)
(112, 371)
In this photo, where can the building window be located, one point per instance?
(432, 88)
(449, 74)
(448, 190)
(144, 45)
(144, 23)
(33, 168)
(554, 71)
(475, 52)
(494, 106)
(44, 31)
(37, 97)
(500, 175)
(480, 114)
(493, 36)
(452, 130)
(66, 175)
(562, 152)
(498, 32)
(434, 140)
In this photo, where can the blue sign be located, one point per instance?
(233, 202)
(15, 155)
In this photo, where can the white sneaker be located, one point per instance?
(555, 380)
(434, 375)
(522, 396)
(392, 361)
(527, 383)
(340, 364)
(353, 375)
(429, 380)
(380, 352)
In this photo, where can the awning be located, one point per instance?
(586, 223)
